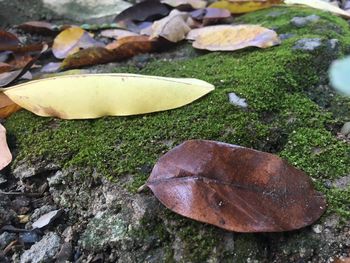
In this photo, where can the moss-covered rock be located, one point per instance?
(289, 113)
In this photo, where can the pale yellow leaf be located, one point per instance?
(229, 38)
(319, 4)
(96, 95)
(196, 4)
(5, 154)
(244, 6)
(173, 27)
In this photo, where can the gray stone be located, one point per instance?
(43, 251)
(47, 218)
(23, 170)
(333, 43)
(86, 9)
(307, 44)
(237, 101)
(342, 183)
(345, 130)
(6, 238)
(103, 230)
(2, 179)
(41, 211)
(303, 21)
(317, 228)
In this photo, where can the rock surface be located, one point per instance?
(42, 251)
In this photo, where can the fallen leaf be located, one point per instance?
(173, 27)
(342, 260)
(88, 57)
(8, 41)
(116, 51)
(195, 4)
(9, 77)
(244, 6)
(51, 67)
(7, 106)
(211, 15)
(235, 188)
(5, 67)
(117, 33)
(339, 75)
(319, 4)
(39, 27)
(5, 154)
(71, 41)
(23, 219)
(97, 95)
(144, 11)
(229, 38)
(47, 219)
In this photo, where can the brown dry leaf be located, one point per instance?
(5, 67)
(39, 27)
(173, 27)
(116, 51)
(117, 33)
(245, 6)
(211, 15)
(229, 38)
(195, 4)
(7, 78)
(144, 11)
(7, 106)
(71, 41)
(8, 41)
(5, 154)
(235, 188)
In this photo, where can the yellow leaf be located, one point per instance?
(71, 40)
(319, 4)
(96, 95)
(229, 38)
(244, 6)
(5, 154)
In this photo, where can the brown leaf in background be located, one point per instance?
(144, 11)
(173, 27)
(244, 6)
(7, 78)
(121, 49)
(39, 27)
(5, 67)
(7, 106)
(8, 41)
(117, 33)
(210, 16)
(235, 188)
(87, 57)
(71, 41)
(5, 154)
(230, 38)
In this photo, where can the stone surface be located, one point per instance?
(345, 130)
(6, 238)
(308, 44)
(86, 9)
(42, 251)
(303, 21)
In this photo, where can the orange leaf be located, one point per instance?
(229, 38)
